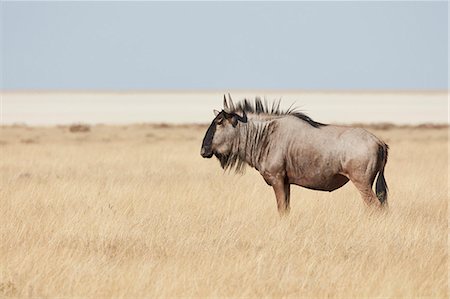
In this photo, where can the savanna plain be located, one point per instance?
(134, 211)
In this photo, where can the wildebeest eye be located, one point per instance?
(220, 121)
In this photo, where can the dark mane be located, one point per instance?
(260, 107)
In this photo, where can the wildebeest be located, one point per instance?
(288, 147)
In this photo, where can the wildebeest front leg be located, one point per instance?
(282, 193)
(282, 189)
(287, 191)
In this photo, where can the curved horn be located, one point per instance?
(225, 104)
(231, 102)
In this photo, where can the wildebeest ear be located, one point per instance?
(243, 118)
(216, 112)
(234, 120)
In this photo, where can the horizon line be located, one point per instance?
(205, 90)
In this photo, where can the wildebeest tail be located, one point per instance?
(381, 187)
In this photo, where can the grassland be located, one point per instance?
(134, 211)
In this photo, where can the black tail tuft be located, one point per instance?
(381, 187)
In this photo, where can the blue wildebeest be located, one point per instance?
(288, 147)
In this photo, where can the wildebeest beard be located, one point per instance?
(230, 161)
(223, 159)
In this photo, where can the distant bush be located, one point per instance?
(28, 141)
(76, 128)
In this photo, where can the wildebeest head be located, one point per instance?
(222, 131)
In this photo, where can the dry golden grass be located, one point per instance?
(134, 211)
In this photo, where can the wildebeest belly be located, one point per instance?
(316, 167)
(321, 183)
(317, 173)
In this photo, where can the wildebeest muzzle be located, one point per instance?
(206, 150)
(206, 153)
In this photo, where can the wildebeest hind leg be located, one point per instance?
(367, 193)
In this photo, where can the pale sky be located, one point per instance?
(224, 46)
